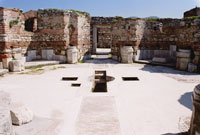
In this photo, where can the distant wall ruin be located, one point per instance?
(46, 34)
(43, 34)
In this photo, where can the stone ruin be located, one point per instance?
(47, 34)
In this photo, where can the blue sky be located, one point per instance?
(125, 8)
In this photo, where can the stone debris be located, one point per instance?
(16, 66)
(5, 118)
(20, 114)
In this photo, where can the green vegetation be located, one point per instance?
(81, 61)
(193, 17)
(13, 22)
(70, 26)
(119, 17)
(152, 19)
(33, 68)
(80, 12)
(62, 67)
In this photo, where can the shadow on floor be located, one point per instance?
(101, 61)
(167, 70)
(186, 100)
(185, 133)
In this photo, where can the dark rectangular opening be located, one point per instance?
(130, 79)
(100, 84)
(100, 87)
(75, 84)
(70, 78)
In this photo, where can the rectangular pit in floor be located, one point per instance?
(130, 78)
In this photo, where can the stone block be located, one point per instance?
(38, 57)
(6, 62)
(161, 53)
(17, 56)
(115, 57)
(16, 66)
(72, 55)
(159, 60)
(182, 63)
(183, 54)
(47, 54)
(61, 58)
(192, 68)
(127, 54)
(1, 65)
(172, 48)
(20, 114)
(184, 50)
(31, 55)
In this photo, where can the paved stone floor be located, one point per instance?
(157, 104)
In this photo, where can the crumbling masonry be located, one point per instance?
(46, 34)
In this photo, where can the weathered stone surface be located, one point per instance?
(16, 66)
(72, 55)
(20, 114)
(182, 63)
(1, 65)
(6, 62)
(4, 98)
(159, 60)
(31, 55)
(192, 68)
(5, 119)
(17, 56)
(127, 54)
(60, 58)
(183, 54)
(195, 122)
(47, 54)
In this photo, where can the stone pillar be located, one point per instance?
(195, 121)
(127, 54)
(16, 66)
(183, 59)
(72, 55)
(94, 40)
(196, 59)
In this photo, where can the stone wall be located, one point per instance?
(192, 12)
(104, 28)
(43, 34)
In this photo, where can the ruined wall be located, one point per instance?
(43, 34)
(127, 32)
(104, 28)
(50, 32)
(151, 37)
(192, 12)
(14, 40)
(83, 34)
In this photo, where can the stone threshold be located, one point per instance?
(40, 63)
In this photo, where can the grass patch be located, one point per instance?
(81, 61)
(32, 68)
(62, 67)
(193, 17)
